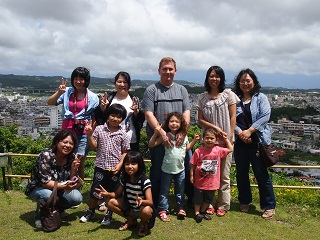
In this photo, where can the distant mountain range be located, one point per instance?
(52, 82)
(44, 82)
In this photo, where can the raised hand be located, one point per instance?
(88, 128)
(138, 200)
(76, 162)
(196, 137)
(103, 101)
(63, 86)
(135, 104)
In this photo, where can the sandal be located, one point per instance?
(244, 208)
(210, 211)
(102, 207)
(221, 212)
(268, 214)
(206, 216)
(163, 216)
(127, 226)
(182, 213)
(143, 230)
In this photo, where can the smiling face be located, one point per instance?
(246, 84)
(121, 85)
(79, 83)
(131, 169)
(174, 124)
(65, 146)
(114, 121)
(209, 140)
(167, 72)
(214, 80)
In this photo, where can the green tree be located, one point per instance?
(8, 135)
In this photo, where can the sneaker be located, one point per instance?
(64, 214)
(87, 217)
(106, 221)
(206, 216)
(38, 224)
(199, 217)
(268, 214)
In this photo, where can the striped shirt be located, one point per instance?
(132, 189)
(110, 146)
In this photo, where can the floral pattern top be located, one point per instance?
(46, 169)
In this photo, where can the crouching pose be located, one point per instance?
(133, 197)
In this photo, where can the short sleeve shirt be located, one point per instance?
(162, 100)
(110, 146)
(216, 111)
(207, 167)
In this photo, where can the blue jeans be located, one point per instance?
(243, 158)
(166, 180)
(156, 156)
(66, 201)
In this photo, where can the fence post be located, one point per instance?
(10, 186)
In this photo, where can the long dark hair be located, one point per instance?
(219, 71)
(134, 157)
(236, 84)
(62, 135)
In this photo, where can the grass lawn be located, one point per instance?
(290, 222)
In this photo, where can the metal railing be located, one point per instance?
(10, 174)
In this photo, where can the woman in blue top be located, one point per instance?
(78, 106)
(253, 114)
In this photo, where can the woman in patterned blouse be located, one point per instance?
(57, 163)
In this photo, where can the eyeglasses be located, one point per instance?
(247, 81)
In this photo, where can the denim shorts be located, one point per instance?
(83, 145)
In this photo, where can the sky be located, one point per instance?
(278, 40)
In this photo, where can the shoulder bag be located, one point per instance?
(267, 152)
(50, 217)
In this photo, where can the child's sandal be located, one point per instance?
(163, 216)
(127, 226)
(143, 230)
(182, 213)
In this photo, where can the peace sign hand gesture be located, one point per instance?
(135, 105)
(62, 88)
(88, 128)
(103, 101)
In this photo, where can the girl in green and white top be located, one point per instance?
(173, 163)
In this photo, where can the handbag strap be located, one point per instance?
(53, 195)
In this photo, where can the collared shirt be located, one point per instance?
(110, 146)
(93, 102)
(46, 169)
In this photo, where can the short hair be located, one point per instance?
(125, 75)
(183, 123)
(210, 130)
(168, 59)
(236, 84)
(219, 71)
(81, 72)
(134, 157)
(62, 135)
(116, 109)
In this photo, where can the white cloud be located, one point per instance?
(53, 37)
